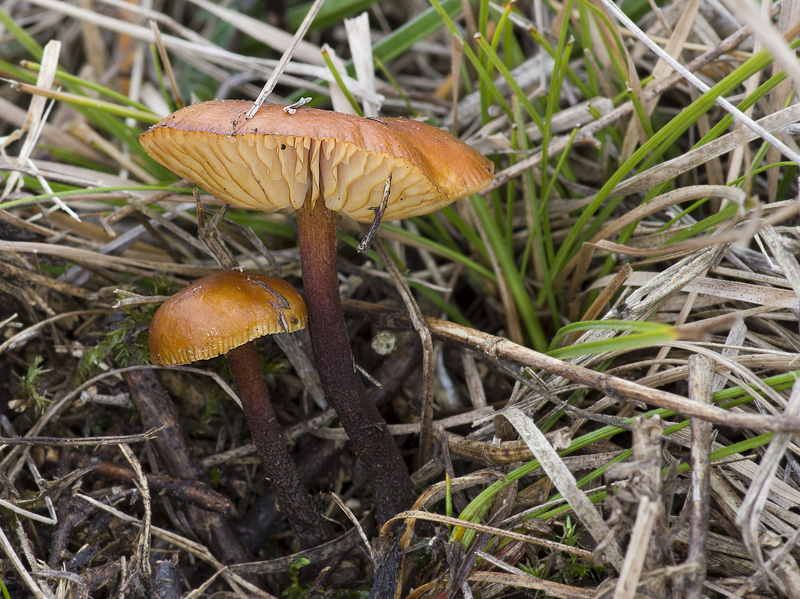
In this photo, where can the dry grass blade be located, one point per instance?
(413, 515)
(787, 261)
(733, 290)
(754, 503)
(80, 256)
(269, 86)
(699, 84)
(26, 513)
(553, 589)
(40, 592)
(273, 36)
(564, 481)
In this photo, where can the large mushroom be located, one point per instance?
(224, 313)
(319, 162)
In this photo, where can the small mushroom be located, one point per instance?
(319, 162)
(222, 314)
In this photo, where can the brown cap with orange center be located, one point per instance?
(220, 312)
(276, 160)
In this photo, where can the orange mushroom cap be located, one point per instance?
(221, 312)
(275, 160)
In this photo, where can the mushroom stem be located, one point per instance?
(344, 390)
(309, 527)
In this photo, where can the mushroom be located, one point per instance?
(222, 314)
(319, 162)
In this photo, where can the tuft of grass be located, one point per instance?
(29, 387)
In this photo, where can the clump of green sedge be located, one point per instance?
(30, 383)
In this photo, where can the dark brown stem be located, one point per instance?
(294, 500)
(344, 390)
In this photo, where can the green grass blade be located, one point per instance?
(516, 284)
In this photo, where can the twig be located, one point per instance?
(186, 491)
(701, 376)
(499, 348)
(93, 441)
(287, 56)
(376, 222)
(643, 549)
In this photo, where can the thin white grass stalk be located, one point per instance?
(287, 56)
(211, 52)
(271, 36)
(770, 37)
(358, 39)
(694, 80)
(352, 517)
(748, 517)
(37, 115)
(338, 98)
(20, 568)
(144, 538)
(145, 13)
(190, 49)
(59, 203)
(26, 514)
